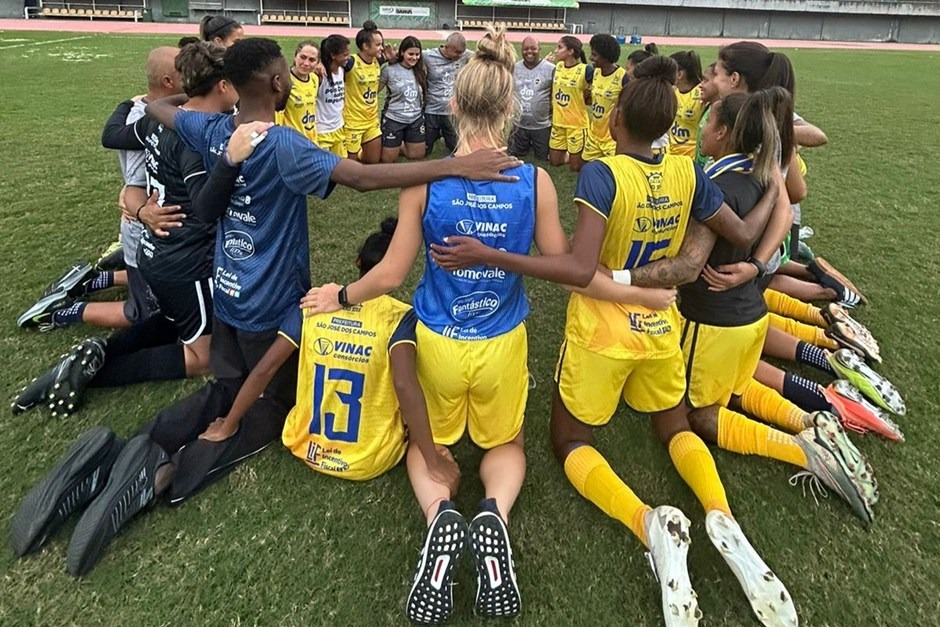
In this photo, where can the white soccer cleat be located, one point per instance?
(667, 533)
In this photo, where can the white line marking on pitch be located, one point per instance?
(42, 43)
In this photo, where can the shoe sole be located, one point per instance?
(72, 279)
(858, 414)
(34, 394)
(767, 595)
(850, 366)
(431, 599)
(668, 536)
(828, 268)
(79, 477)
(68, 388)
(848, 337)
(850, 459)
(497, 590)
(28, 319)
(129, 490)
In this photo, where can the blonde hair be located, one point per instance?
(483, 92)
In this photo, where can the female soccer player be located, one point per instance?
(633, 208)
(403, 118)
(361, 112)
(220, 30)
(571, 91)
(331, 97)
(609, 79)
(472, 355)
(684, 131)
(301, 110)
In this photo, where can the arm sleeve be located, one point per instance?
(626, 79)
(215, 191)
(596, 188)
(405, 331)
(118, 134)
(707, 198)
(350, 63)
(290, 328)
(190, 126)
(304, 167)
(589, 74)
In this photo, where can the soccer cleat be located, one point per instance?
(852, 367)
(77, 479)
(497, 589)
(858, 413)
(846, 336)
(40, 315)
(667, 535)
(36, 393)
(834, 461)
(829, 277)
(73, 374)
(128, 491)
(431, 599)
(767, 595)
(846, 297)
(74, 281)
(112, 258)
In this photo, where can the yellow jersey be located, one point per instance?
(684, 132)
(347, 422)
(301, 110)
(361, 110)
(647, 205)
(605, 92)
(569, 85)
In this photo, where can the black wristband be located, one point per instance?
(343, 300)
(139, 209)
(761, 268)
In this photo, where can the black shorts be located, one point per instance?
(394, 132)
(140, 303)
(524, 140)
(234, 352)
(188, 305)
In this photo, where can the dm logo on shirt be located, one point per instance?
(238, 245)
(323, 346)
(474, 305)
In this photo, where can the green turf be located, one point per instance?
(278, 544)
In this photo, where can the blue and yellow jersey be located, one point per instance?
(568, 88)
(347, 422)
(647, 204)
(361, 110)
(605, 92)
(683, 135)
(301, 110)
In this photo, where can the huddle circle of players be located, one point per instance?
(687, 268)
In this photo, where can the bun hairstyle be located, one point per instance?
(651, 48)
(376, 245)
(364, 36)
(648, 102)
(574, 44)
(484, 101)
(221, 26)
(200, 67)
(689, 62)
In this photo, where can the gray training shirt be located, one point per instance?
(403, 103)
(534, 92)
(441, 74)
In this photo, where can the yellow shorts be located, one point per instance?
(483, 384)
(591, 385)
(334, 141)
(355, 138)
(571, 140)
(720, 361)
(594, 150)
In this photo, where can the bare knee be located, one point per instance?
(566, 432)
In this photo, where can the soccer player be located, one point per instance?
(571, 87)
(406, 79)
(331, 97)
(684, 132)
(609, 79)
(301, 110)
(361, 111)
(615, 350)
(444, 63)
(220, 30)
(471, 337)
(533, 88)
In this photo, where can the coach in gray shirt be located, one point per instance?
(443, 64)
(533, 85)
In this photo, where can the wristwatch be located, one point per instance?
(343, 299)
(761, 268)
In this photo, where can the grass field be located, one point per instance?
(277, 544)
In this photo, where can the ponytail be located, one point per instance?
(755, 132)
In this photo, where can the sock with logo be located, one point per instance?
(804, 393)
(70, 315)
(102, 281)
(810, 355)
(767, 404)
(739, 434)
(789, 307)
(595, 480)
(807, 333)
(697, 468)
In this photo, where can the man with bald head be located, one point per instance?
(443, 63)
(533, 87)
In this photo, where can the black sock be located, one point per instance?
(804, 393)
(161, 363)
(810, 355)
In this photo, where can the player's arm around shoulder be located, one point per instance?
(550, 237)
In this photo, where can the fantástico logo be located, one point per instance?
(238, 245)
(474, 305)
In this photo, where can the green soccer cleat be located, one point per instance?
(853, 368)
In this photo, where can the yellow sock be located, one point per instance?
(807, 333)
(596, 481)
(697, 468)
(767, 404)
(739, 434)
(789, 307)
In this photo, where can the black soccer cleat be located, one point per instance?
(39, 316)
(77, 479)
(112, 258)
(497, 590)
(128, 491)
(73, 374)
(36, 393)
(431, 599)
(74, 282)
